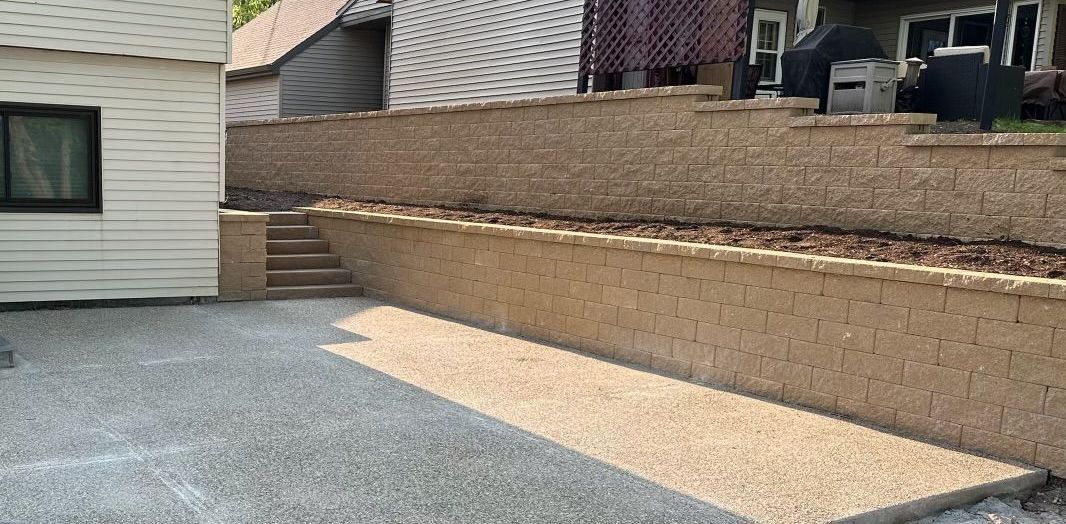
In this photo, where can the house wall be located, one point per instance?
(362, 8)
(253, 98)
(158, 233)
(340, 73)
(670, 154)
(969, 359)
(456, 52)
(196, 30)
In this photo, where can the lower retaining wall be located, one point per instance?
(969, 359)
(242, 267)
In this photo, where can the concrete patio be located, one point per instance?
(352, 410)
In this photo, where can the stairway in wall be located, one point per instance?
(299, 264)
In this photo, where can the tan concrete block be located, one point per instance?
(941, 179)
(703, 268)
(942, 325)
(929, 428)
(633, 355)
(918, 296)
(960, 157)
(681, 328)
(585, 291)
(966, 412)
(878, 316)
(999, 445)
(880, 367)
(656, 303)
(608, 276)
(789, 373)
(1043, 311)
(907, 347)
(1015, 337)
(839, 384)
(1014, 204)
(768, 299)
(820, 307)
(817, 355)
(1056, 403)
(624, 259)
(694, 352)
(967, 202)
(832, 136)
(846, 336)
(759, 386)
(720, 336)
(1051, 458)
(1058, 346)
(712, 375)
(744, 318)
(1035, 427)
(698, 310)
(614, 335)
(809, 398)
(970, 357)
(722, 292)
(879, 415)
(671, 365)
(764, 345)
(902, 398)
(737, 361)
(997, 306)
(679, 286)
(854, 288)
(640, 280)
(791, 326)
(980, 226)
(854, 156)
(638, 320)
(874, 177)
(1038, 369)
(591, 255)
(659, 263)
(748, 274)
(800, 281)
(621, 297)
(653, 343)
(1006, 392)
(936, 378)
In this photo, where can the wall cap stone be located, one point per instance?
(233, 215)
(987, 139)
(1009, 284)
(873, 119)
(628, 94)
(759, 103)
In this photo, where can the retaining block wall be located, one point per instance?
(965, 358)
(671, 153)
(242, 267)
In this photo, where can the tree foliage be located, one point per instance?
(245, 10)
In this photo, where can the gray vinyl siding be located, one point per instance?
(253, 98)
(160, 134)
(458, 51)
(341, 73)
(362, 6)
(196, 30)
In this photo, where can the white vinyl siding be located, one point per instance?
(341, 73)
(253, 98)
(196, 30)
(158, 233)
(458, 51)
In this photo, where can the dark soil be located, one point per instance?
(993, 257)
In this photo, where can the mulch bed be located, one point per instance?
(1012, 258)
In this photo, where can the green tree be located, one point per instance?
(245, 10)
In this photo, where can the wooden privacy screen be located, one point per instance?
(637, 35)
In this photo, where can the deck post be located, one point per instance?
(999, 38)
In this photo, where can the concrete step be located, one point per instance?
(309, 261)
(292, 247)
(287, 218)
(308, 277)
(291, 232)
(333, 290)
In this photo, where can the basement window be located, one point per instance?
(49, 158)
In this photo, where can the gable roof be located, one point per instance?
(276, 33)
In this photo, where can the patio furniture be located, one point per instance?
(862, 86)
(953, 84)
(806, 67)
(1044, 95)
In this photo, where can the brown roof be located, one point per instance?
(280, 29)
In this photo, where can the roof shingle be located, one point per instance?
(278, 30)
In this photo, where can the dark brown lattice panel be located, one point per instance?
(636, 35)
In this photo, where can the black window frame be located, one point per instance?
(93, 204)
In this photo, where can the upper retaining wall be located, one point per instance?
(672, 153)
(972, 359)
